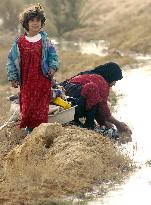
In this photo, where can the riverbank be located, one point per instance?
(56, 161)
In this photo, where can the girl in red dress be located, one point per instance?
(31, 65)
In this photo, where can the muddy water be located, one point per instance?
(134, 108)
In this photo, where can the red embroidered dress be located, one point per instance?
(35, 89)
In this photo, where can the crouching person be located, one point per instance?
(91, 89)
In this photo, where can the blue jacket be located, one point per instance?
(49, 58)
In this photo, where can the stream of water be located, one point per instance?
(99, 47)
(134, 109)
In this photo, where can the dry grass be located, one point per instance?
(5, 104)
(125, 24)
(3, 57)
(75, 62)
(102, 13)
(55, 161)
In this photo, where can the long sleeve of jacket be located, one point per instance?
(49, 55)
(105, 111)
(13, 63)
(53, 62)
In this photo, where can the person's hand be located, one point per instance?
(51, 73)
(108, 124)
(123, 127)
(14, 84)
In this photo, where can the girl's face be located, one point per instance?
(34, 26)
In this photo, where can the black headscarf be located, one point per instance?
(109, 71)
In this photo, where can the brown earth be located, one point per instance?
(56, 161)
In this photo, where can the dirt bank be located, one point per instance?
(55, 161)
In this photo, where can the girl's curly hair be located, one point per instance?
(30, 13)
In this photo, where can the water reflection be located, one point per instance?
(134, 108)
(141, 57)
(99, 47)
(136, 190)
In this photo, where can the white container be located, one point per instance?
(63, 116)
(60, 117)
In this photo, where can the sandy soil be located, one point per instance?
(56, 161)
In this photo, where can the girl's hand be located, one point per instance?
(51, 73)
(15, 84)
